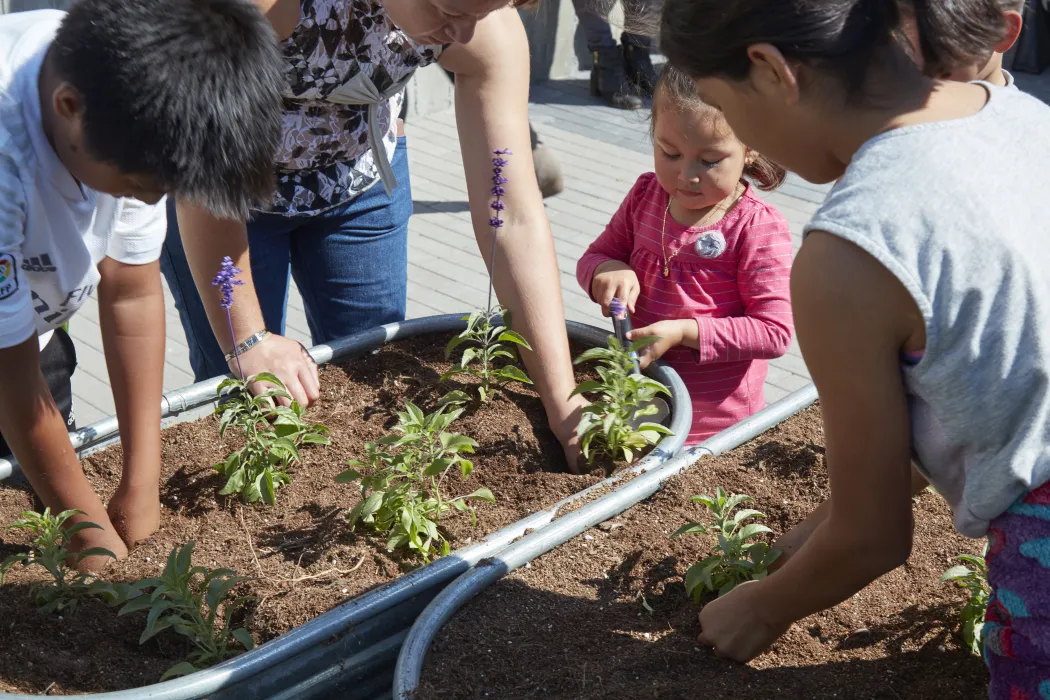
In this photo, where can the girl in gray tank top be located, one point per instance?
(934, 249)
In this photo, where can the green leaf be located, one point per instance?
(268, 490)
(183, 668)
(469, 355)
(453, 344)
(482, 494)
(587, 387)
(955, 573)
(742, 515)
(314, 439)
(453, 398)
(95, 552)
(512, 337)
(242, 636)
(234, 484)
(749, 531)
(643, 342)
(267, 377)
(454, 441)
(689, 529)
(512, 373)
(135, 605)
(348, 476)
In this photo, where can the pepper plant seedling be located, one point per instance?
(739, 557)
(195, 602)
(975, 581)
(50, 550)
(487, 342)
(273, 435)
(401, 495)
(623, 396)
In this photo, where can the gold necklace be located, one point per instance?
(704, 221)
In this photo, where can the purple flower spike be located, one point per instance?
(617, 308)
(496, 221)
(226, 280)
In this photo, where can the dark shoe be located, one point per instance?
(609, 81)
(548, 174)
(638, 64)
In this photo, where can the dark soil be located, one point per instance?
(607, 616)
(303, 557)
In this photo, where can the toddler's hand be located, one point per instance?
(670, 334)
(614, 279)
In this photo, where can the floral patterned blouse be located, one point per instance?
(346, 67)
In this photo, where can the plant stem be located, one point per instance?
(233, 337)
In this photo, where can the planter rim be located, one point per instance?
(364, 606)
(440, 610)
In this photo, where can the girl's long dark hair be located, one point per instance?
(847, 40)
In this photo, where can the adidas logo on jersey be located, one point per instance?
(41, 264)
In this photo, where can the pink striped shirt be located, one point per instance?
(739, 298)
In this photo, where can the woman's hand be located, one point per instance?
(670, 333)
(289, 361)
(564, 428)
(735, 626)
(615, 279)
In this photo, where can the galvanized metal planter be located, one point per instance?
(454, 596)
(350, 651)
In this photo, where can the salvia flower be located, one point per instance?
(226, 280)
(497, 205)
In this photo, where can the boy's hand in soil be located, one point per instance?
(735, 627)
(670, 334)
(614, 279)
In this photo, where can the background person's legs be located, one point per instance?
(608, 73)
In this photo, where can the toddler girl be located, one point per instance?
(699, 260)
(921, 297)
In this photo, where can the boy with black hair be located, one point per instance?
(102, 111)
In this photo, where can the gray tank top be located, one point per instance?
(957, 211)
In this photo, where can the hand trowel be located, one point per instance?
(621, 327)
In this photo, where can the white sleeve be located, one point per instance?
(17, 318)
(138, 232)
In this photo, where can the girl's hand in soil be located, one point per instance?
(615, 279)
(289, 361)
(670, 334)
(735, 627)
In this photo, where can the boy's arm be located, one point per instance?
(131, 314)
(206, 240)
(35, 430)
(852, 318)
(763, 273)
(616, 242)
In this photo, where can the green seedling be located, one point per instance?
(486, 342)
(196, 603)
(50, 550)
(622, 397)
(273, 435)
(401, 493)
(975, 581)
(739, 558)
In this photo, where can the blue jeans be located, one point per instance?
(350, 264)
